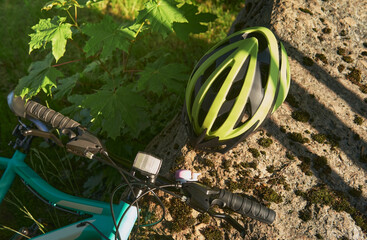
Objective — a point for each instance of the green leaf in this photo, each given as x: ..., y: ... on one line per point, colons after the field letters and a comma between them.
x: 66, y: 85
x: 115, y: 108
x: 42, y: 76
x: 66, y: 4
x: 91, y: 67
x: 60, y: 4
x: 107, y: 36
x: 158, y: 75
x: 161, y: 15
x: 55, y: 31
x: 76, y: 110
x: 194, y: 21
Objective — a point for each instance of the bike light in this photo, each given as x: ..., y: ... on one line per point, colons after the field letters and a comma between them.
x: 147, y: 164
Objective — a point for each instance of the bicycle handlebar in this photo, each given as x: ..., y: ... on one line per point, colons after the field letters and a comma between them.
x: 244, y: 206
x: 202, y: 198
x: 47, y: 115
x: 82, y: 143
x: 35, y: 111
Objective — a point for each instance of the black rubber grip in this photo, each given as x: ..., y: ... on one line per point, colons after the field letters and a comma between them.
x: 246, y: 206
x: 49, y: 116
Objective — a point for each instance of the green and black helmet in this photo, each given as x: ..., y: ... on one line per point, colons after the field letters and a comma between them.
x: 234, y: 87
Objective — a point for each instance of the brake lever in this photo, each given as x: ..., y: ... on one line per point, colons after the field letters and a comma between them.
x: 229, y: 220
x: 82, y: 142
x: 39, y: 133
x: 202, y: 198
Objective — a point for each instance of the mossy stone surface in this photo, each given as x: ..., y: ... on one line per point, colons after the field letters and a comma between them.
x: 305, y: 166
x: 209, y: 163
x: 358, y: 120
x: 265, y: 142
x: 255, y: 153
x: 347, y: 59
x: 307, y: 61
x: 341, y: 51
x: 292, y: 101
x: 301, y: 116
x: 321, y: 57
x: 204, y: 218
x: 270, y: 169
x: 305, y: 10
x: 297, y: 137
x: 181, y: 214
x: 268, y: 194
x: 249, y: 165
x: 319, y: 137
x: 355, y: 192
x: 305, y: 214
x: 318, y: 236
x: 343, y: 33
x: 326, y: 30
x: 289, y: 155
x: 212, y: 233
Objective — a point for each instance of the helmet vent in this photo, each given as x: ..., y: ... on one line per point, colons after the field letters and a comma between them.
x: 202, y: 113
x: 219, y: 121
x: 236, y: 38
x: 264, y: 72
x: 207, y: 73
x: 222, y: 58
x: 238, y: 81
x: 203, y: 59
x: 245, y: 115
x: 218, y: 82
x: 235, y: 90
x: 261, y: 39
x: 212, y: 93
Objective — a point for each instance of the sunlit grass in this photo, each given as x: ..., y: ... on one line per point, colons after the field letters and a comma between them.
x: 27, y: 214
x: 62, y: 172
x: 3, y: 227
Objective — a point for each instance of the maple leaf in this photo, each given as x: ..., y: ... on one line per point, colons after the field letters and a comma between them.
x: 55, y: 31
x: 158, y: 75
x: 60, y: 4
x: 107, y: 36
x: 66, y: 4
x: 115, y: 108
x: 194, y: 21
x: 161, y: 15
x: 41, y: 77
x: 66, y: 85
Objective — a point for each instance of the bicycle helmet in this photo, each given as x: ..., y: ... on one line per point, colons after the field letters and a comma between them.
x: 234, y: 87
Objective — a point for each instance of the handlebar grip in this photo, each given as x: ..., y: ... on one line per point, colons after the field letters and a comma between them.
x: 47, y: 115
x: 245, y: 206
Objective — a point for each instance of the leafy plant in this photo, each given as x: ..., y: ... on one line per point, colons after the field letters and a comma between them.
x: 123, y: 93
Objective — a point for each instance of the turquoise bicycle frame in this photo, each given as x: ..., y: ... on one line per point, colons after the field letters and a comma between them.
x: 100, y: 211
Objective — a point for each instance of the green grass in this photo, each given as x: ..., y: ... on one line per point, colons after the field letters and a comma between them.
x: 69, y: 174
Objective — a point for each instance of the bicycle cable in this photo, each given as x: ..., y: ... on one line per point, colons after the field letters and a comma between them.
x: 130, y: 175
x: 163, y: 215
x: 111, y: 204
x: 46, y: 202
x: 105, y: 154
x: 92, y: 225
x: 138, y: 199
x: 155, y: 195
x: 123, y: 172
